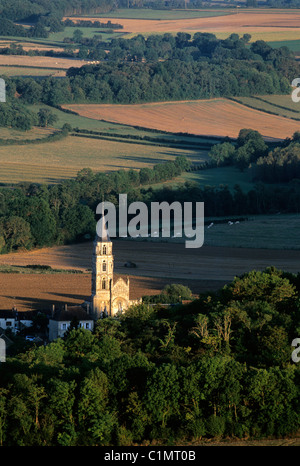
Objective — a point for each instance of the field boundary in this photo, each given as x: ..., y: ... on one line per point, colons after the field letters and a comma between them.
x: 56, y: 136
x: 145, y: 140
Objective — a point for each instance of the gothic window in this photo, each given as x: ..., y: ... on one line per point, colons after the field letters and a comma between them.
x: 104, y: 249
x: 120, y: 307
x: 104, y: 267
x: 103, y: 284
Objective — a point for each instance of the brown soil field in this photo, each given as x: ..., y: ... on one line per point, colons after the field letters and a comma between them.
x: 157, y: 264
x: 45, y: 62
x: 212, y: 117
x: 239, y: 22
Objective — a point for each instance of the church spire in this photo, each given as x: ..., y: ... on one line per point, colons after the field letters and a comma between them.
x: 102, y: 230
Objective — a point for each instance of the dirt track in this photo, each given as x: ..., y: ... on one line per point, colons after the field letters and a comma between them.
x: 206, y: 268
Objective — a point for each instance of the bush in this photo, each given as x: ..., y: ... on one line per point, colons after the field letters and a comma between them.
x: 215, y: 426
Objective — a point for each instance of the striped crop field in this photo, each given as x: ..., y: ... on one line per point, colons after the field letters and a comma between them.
x: 212, y: 117
x: 52, y: 162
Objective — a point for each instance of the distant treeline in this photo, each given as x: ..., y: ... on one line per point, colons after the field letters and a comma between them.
x: 165, y: 67
x: 91, y: 24
x: 34, y: 10
x: 38, y: 215
x: 204, y: 67
x: 8, y: 28
x: 280, y: 165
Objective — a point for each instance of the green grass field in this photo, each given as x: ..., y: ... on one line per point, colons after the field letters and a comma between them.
x: 276, y: 104
x: 267, y: 36
x: 57, y: 37
x: 147, y: 13
x: 259, y: 231
x: 293, y: 45
x: 227, y: 176
x: 54, y: 161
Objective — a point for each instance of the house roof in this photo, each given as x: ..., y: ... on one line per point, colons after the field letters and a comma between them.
x: 70, y: 313
x: 7, y: 314
x: 4, y: 337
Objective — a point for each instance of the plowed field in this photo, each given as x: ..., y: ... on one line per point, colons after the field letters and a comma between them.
x: 157, y: 264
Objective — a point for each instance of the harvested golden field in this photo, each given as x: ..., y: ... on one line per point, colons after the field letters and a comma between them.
x: 26, y: 45
x: 51, y: 162
x: 240, y: 22
x: 206, y: 268
x: 44, y: 62
x: 214, y: 117
x: 27, y: 71
x: 34, y: 133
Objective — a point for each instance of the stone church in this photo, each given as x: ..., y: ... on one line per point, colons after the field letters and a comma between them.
x: 109, y: 297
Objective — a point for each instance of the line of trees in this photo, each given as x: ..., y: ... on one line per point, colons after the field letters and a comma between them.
x: 220, y: 366
x: 249, y: 147
x: 34, y: 10
x: 181, y: 68
x: 38, y: 215
x: 17, y: 116
x: 176, y: 68
x: 279, y: 166
x: 8, y: 28
x: 91, y: 24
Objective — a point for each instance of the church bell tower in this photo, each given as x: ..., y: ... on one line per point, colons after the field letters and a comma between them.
x: 102, y: 273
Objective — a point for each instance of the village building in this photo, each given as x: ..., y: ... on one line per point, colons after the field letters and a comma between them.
x: 109, y: 297
x: 61, y: 320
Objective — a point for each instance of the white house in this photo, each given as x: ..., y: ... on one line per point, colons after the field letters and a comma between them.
x: 61, y: 320
x: 9, y: 320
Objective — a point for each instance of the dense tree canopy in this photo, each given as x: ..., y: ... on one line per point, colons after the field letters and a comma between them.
x: 165, y: 67
x: 219, y: 366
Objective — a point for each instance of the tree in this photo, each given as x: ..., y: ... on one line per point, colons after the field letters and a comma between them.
x: 95, y: 422
x: 3, y: 413
x: 42, y: 221
x: 77, y: 35
x: 46, y: 117
x: 61, y: 409
x: 222, y: 154
x: 30, y: 90
x: 163, y: 394
x: 17, y: 233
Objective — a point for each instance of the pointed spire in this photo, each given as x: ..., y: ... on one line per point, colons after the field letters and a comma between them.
x: 102, y: 231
